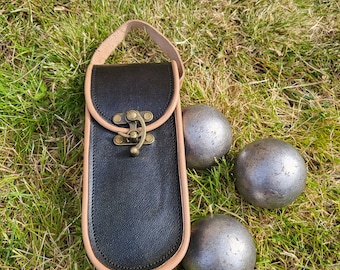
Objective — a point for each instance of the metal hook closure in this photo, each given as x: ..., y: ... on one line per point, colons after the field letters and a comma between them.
x: 135, y: 136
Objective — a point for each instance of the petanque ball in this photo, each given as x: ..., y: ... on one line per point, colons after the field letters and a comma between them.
x: 207, y: 135
x: 220, y: 242
x: 270, y: 173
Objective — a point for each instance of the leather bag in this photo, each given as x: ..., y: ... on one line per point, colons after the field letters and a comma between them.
x: 135, y: 208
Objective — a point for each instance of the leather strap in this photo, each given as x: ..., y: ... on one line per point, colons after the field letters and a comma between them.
x: 110, y: 44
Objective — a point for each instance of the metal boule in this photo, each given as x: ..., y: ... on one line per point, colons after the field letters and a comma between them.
x: 220, y: 242
x: 207, y: 135
x: 270, y: 173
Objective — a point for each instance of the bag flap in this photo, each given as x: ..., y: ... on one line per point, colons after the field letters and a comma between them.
x: 113, y: 89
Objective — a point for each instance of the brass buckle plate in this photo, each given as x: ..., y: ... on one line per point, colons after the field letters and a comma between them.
x: 136, y: 136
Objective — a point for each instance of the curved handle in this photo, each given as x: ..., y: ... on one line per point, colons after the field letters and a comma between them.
x: 109, y: 44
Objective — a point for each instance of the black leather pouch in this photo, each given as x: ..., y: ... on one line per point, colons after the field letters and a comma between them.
x: 135, y: 195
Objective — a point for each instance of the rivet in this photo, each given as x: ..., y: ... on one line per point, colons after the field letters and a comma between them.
x: 118, y: 139
x: 149, y: 138
x: 148, y: 116
x: 131, y: 115
x: 117, y: 118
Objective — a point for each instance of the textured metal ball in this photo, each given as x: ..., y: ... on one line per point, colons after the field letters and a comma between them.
x: 270, y: 173
x: 220, y: 242
x: 207, y: 135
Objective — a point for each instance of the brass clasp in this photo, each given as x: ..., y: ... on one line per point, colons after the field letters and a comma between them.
x: 136, y: 135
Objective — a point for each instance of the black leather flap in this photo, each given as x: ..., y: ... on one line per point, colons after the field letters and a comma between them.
x: 143, y: 87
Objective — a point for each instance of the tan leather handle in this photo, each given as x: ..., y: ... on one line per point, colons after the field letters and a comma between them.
x: 107, y: 47
x: 109, y: 44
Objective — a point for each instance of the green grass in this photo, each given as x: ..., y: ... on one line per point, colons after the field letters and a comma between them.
x: 271, y: 67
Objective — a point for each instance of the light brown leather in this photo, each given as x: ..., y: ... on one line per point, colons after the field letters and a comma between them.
x: 108, y: 45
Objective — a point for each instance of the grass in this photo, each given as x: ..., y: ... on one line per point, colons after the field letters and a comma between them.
x: 271, y: 67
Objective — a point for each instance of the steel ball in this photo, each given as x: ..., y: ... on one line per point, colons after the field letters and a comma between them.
x: 220, y: 242
x: 207, y: 135
x: 270, y: 173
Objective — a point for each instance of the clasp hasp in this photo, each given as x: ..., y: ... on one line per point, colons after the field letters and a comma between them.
x: 136, y: 135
